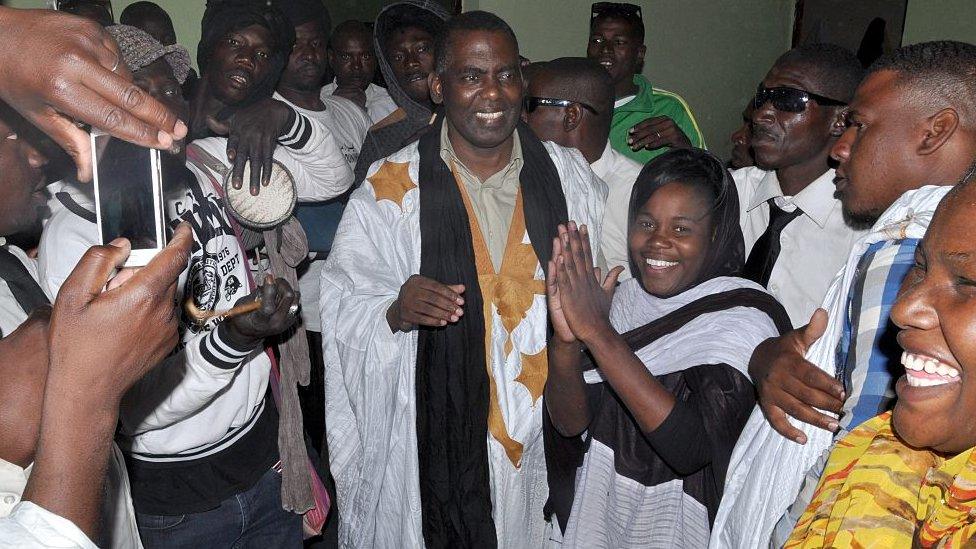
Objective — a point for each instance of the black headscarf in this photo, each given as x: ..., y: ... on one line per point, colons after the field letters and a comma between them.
x: 701, y: 169
x: 225, y: 16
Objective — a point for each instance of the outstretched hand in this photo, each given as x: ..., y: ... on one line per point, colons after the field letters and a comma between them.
x: 579, y: 299
x: 252, y: 136
x: 790, y: 386
x: 59, y: 69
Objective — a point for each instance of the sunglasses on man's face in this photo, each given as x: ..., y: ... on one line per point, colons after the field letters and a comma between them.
x: 790, y: 99
x: 618, y: 9
x: 532, y: 103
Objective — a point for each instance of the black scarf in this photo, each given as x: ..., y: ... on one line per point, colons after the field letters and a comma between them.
x: 451, y: 374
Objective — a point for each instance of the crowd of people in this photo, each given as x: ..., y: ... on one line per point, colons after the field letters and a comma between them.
x: 518, y: 304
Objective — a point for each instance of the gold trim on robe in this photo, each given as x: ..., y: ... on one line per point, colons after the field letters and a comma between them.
x: 512, y: 292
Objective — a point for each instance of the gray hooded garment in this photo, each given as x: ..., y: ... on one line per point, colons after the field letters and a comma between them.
x: 387, y: 140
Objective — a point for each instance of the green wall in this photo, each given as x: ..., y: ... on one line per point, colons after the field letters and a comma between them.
x: 186, y: 15
x: 940, y: 19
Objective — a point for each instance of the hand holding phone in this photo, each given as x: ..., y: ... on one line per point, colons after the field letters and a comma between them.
x: 128, y: 196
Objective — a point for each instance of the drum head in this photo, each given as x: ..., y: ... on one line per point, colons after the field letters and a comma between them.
x: 271, y: 207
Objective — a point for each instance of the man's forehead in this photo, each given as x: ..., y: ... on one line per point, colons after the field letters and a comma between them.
x: 310, y: 28
x: 792, y: 74
x: 612, y: 25
x: 878, y: 91
x: 477, y: 47
x: 353, y: 38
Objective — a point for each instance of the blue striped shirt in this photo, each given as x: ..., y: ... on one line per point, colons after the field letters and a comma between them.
x: 868, y: 357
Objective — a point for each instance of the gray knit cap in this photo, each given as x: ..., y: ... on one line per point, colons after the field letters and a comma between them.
x: 139, y: 50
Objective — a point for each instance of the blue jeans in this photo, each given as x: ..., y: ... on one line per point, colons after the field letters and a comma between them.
x: 253, y: 518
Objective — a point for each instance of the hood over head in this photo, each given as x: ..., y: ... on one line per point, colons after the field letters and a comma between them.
x: 389, y: 19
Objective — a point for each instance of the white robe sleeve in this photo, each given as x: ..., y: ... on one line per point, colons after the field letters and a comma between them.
x: 369, y: 372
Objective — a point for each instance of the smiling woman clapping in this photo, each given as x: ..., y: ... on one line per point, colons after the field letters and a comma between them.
x: 663, y: 392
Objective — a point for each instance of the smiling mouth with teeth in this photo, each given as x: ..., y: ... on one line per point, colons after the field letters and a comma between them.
x: 923, y: 371
x: 488, y: 116
x: 659, y: 263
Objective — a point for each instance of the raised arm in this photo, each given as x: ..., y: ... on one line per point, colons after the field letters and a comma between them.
x: 94, y: 359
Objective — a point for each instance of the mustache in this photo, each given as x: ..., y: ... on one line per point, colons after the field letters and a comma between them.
x: 762, y: 131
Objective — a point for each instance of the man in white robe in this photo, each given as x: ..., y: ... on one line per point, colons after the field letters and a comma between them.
x: 378, y: 309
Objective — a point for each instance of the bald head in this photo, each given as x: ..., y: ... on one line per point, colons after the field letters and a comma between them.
x: 834, y: 70
x: 583, y: 123
x: 576, y: 79
x: 152, y: 19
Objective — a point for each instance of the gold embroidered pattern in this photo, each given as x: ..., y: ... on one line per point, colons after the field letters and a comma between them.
x: 392, y: 181
x: 512, y: 292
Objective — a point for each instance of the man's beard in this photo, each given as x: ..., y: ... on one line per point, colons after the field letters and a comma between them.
x: 860, y: 221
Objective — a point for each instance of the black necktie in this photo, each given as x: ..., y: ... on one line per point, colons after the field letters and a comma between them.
x: 764, y: 253
x: 22, y: 285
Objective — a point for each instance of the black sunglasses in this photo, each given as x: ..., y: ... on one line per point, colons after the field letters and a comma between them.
x: 532, y: 103
x: 790, y: 99
x: 619, y: 9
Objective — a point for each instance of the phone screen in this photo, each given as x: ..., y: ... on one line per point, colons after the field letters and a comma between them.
x: 127, y: 183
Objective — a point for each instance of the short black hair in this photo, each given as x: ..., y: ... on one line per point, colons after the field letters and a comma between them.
x: 468, y: 21
x: 137, y: 12
x: 347, y: 28
x: 835, y: 68
x: 942, y: 72
x: 577, y: 79
x: 403, y: 16
x: 636, y: 23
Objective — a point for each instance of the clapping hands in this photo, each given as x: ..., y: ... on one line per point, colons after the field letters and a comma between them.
x: 579, y: 297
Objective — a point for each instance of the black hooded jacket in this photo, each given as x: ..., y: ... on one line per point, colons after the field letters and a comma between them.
x: 382, y: 139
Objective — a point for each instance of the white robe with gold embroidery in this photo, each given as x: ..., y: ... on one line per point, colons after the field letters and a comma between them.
x: 369, y: 371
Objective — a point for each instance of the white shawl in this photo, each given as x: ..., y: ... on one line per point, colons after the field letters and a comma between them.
x: 720, y: 337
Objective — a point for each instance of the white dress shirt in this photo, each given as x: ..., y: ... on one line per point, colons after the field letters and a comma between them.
x: 379, y: 104
x: 619, y: 173
x: 815, y: 245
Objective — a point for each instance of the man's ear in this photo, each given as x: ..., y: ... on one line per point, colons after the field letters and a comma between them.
x: 330, y: 55
x: 938, y: 129
x: 434, y: 84
x: 641, y: 52
x: 573, y: 117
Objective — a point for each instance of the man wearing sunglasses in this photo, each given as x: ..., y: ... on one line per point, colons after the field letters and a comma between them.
x: 795, y: 233
x: 910, y: 135
x: 570, y: 102
x: 647, y: 121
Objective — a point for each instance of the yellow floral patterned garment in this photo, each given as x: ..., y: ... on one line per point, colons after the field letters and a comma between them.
x: 878, y: 492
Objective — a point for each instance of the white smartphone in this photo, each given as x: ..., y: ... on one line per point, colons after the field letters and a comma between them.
x: 128, y: 196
